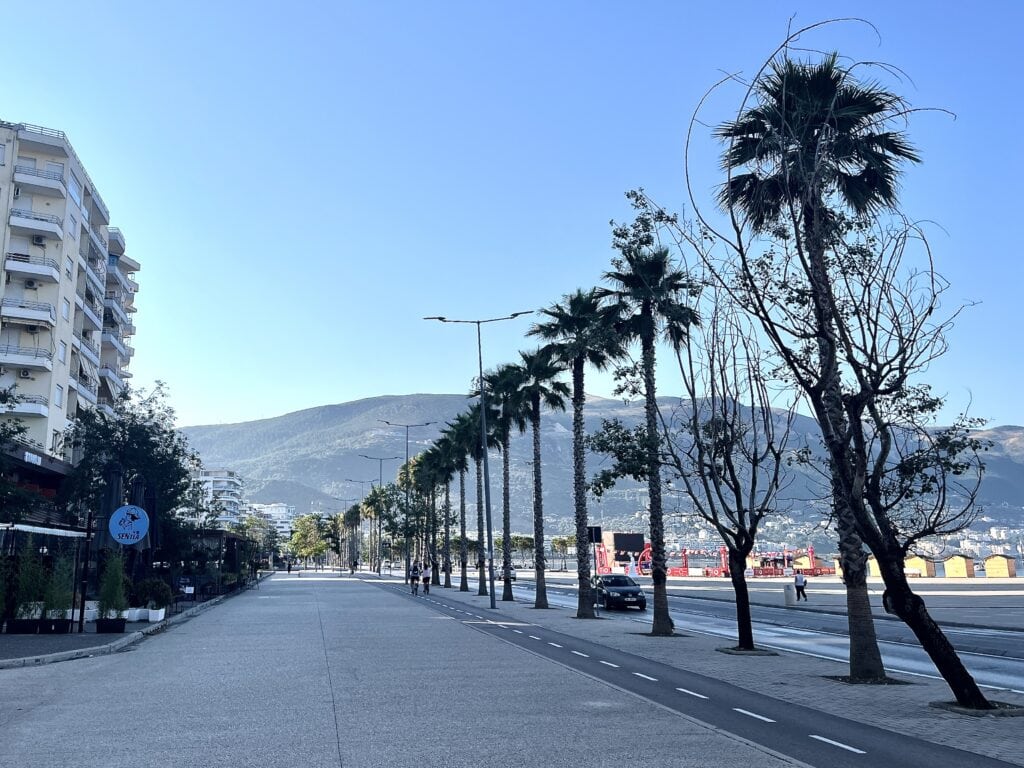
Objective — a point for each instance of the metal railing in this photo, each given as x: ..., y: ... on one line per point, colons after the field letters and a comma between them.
x: 55, y: 134
x: 34, y: 306
x: 91, y: 385
x: 42, y: 261
x: 94, y: 348
x: 99, y: 238
x: 30, y: 171
x: 20, y: 351
x: 34, y: 399
x: 47, y: 217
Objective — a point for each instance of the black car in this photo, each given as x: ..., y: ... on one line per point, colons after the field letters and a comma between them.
x: 618, y: 591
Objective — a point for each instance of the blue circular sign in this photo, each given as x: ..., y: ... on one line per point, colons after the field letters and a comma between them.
x: 129, y: 524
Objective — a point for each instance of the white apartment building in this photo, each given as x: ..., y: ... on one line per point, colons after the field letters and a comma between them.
x: 280, y: 515
x: 226, y: 489
x: 68, y: 289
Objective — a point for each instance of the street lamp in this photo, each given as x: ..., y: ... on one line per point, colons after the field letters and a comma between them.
x: 362, y: 495
x: 380, y: 484
x: 483, y: 429
x: 408, y: 478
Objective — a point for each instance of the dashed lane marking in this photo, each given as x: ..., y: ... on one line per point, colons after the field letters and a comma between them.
x: 518, y: 631
x: 753, y: 714
x: 534, y: 637
x: 646, y: 677
x: 691, y: 693
x: 554, y: 644
x: 609, y: 664
x: 839, y: 744
x: 581, y: 654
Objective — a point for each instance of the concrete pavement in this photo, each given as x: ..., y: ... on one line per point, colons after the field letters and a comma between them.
x: 336, y: 671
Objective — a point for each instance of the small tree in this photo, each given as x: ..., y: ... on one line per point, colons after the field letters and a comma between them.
x: 31, y: 583
x: 59, y: 589
x: 112, y: 595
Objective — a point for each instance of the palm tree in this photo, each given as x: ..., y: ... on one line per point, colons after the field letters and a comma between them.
x: 816, y: 139
x: 448, y: 465
x: 504, y: 386
x: 580, y: 330
x: 649, y: 294
x: 463, y: 433
x: 540, y: 389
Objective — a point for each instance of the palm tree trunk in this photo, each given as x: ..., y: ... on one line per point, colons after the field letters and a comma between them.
x: 662, y: 621
x: 585, y: 600
x: 480, y: 564
x: 540, y: 599
x: 463, y: 544
x: 506, y: 521
x: 435, y: 576
x: 865, y: 658
x: 744, y: 626
x: 447, y: 534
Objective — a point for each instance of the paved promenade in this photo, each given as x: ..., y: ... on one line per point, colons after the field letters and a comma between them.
x: 338, y: 671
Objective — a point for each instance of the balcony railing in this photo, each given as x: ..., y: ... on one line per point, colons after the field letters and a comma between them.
x: 42, y: 261
x: 95, y: 306
x: 47, y: 217
x: 15, y: 349
x: 55, y: 134
x: 98, y: 239
x: 33, y: 306
x: 34, y: 399
x: 91, y: 385
x: 94, y: 348
x: 30, y: 171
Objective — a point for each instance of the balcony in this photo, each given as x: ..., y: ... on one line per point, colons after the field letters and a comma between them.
x: 37, y: 223
x: 30, y: 405
x: 113, y: 300
x: 115, y: 377
x: 95, y: 279
x: 116, y: 240
x: 37, y: 267
x: 88, y: 349
x: 91, y: 310
x: 28, y: 312
x: 48, y: 183
x: 16, y: 356
x: 97, y: 239
x: 87, y: 388
x: 120, y: 279
x: 113, y: 338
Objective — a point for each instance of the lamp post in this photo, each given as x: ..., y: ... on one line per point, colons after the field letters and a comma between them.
x: 408, y: 479
x: 483, y: 430
x: 380, y: 484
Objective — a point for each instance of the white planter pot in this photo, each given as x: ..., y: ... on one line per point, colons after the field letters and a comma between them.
x: 157, y: 614
x: 136, y: 614
x: 91, y: 614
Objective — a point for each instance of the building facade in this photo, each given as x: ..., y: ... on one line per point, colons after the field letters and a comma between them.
x: 68, y: 289
x: 224, y: 490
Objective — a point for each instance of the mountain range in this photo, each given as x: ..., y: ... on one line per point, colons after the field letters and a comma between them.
x: 312, y: 458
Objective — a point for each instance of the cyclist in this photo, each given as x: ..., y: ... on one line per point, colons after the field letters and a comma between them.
x: 414, y: 578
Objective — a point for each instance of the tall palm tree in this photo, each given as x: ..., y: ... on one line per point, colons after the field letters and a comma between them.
x: 579, y: 331
x: 463, y: 433
x: 649, y: 295
x: 540, y: 388
x: 814, y: 140
x: 504, y: 387
x: 448, y: 466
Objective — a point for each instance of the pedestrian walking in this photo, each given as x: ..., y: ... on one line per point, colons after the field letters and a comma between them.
x: 289, y: 566
x: 800, y: 582
x: 414, y: 578
x: 427, y: 573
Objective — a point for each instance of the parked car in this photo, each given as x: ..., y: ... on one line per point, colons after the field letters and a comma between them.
x: 616, y: 590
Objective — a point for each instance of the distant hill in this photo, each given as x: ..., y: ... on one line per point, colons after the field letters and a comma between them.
x: 306, y: 458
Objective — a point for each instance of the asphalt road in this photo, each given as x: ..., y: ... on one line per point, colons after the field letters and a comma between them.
x: 799, y: 732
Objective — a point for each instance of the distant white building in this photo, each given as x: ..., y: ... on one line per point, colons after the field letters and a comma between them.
x: 224, y: 488
x: 280, y: 515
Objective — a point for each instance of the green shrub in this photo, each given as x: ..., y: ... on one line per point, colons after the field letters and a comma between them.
x: 112, y: 597
x: 31, y: 582
x: 154, y: 593
x: 59, y: 589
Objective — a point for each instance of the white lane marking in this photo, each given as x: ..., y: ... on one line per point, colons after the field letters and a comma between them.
x: 555, y: 644
x: 753, y: 714
x: 581, y: 654
x: 608, y: 663
x: 534, y: 637
x: 518, y: 631
x: 839, y: 744
x: 646, y: 677
x: 691, y: 693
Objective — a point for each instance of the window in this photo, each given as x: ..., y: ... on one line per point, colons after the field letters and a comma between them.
x: 58, y: 396
x: 3, y: 153
x: 57, y: 168
x: 69, y: 267
x: 62, y: 352
x: 26, y: 162
x: 75, y: 189
x: 55, y: 442
x: 74, y: 226
x: 65, y: 310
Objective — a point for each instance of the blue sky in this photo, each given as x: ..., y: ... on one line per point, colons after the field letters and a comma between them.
x: 303, y: 182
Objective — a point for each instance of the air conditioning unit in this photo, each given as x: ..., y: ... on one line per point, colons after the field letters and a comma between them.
x: 31, y: 284
x: 17, y: 192
x: 38, y: 240
x: 32, y: 329
x: 24, y: 373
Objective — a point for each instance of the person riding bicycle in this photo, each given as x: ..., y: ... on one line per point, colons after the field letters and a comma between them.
x: 414, y: 578
x: 426, y: 577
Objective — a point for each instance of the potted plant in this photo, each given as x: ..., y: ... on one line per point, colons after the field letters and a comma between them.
x: 57, y: 597
x: 137, y: 610
x: 158, y: 596
x: 112, y: 602
x: 28, y: 594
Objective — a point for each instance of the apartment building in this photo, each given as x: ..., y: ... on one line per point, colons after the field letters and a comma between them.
x: 280, y: 515
x: 68, y: 289
x: 225, y: 489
